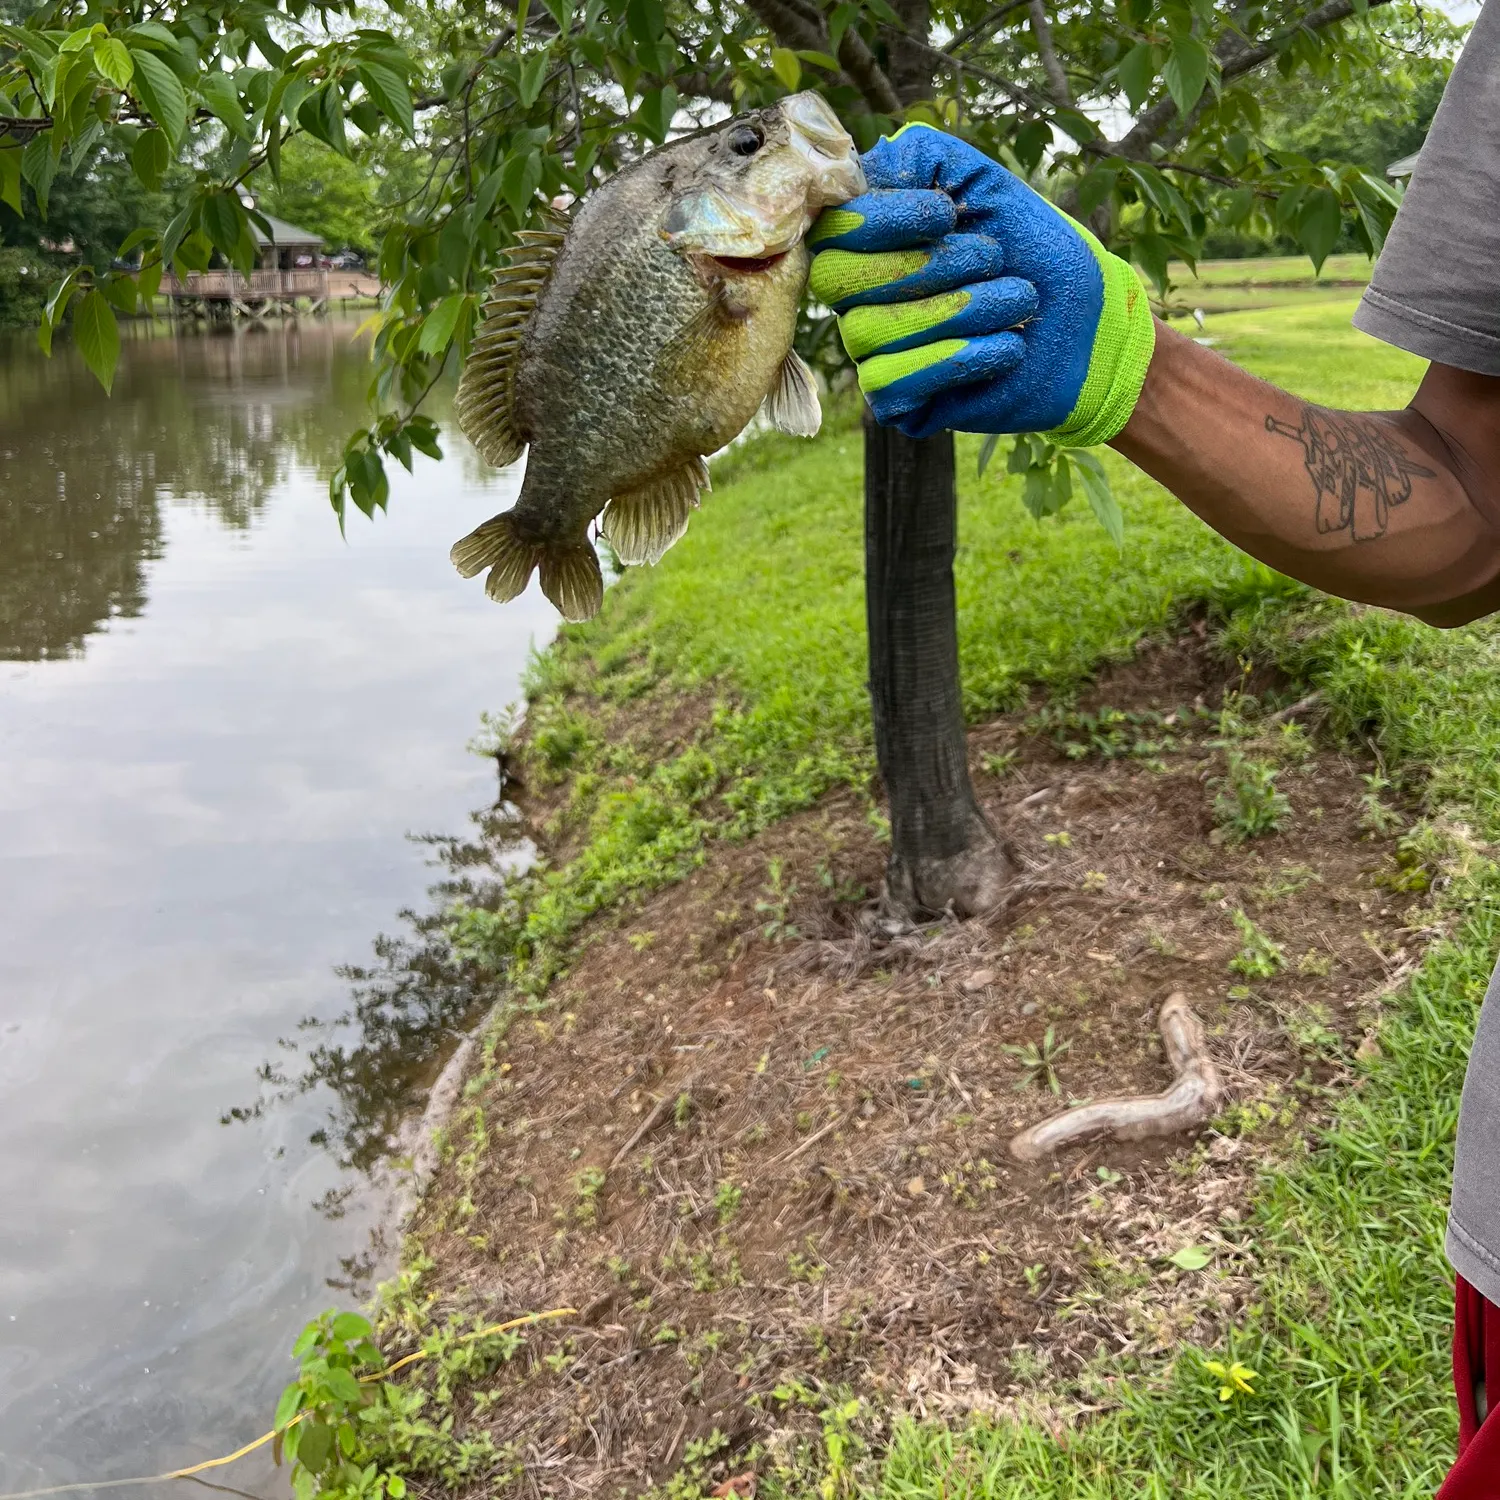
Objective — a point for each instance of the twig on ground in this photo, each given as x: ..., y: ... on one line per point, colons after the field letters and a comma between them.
x: 1189, y: 1102
x: 1294, y: 710
x: 657, y: 1115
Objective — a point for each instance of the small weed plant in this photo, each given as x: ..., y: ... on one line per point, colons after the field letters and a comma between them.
x: 1259, y: 957
x: 1248, y: 804
x: 1039, y: 1061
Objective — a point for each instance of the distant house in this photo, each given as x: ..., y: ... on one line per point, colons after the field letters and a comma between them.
x: 1404, y: 167
x: 287, y: 271
x: 286, y: 245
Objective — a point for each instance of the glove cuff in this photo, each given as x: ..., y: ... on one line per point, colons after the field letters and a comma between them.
x: 1123, y: 344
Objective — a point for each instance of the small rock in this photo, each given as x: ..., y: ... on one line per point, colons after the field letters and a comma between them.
x: 1029, y: 1009
x: 915, y: 1188
x: 1368, y: 1049
x: 979, y: 979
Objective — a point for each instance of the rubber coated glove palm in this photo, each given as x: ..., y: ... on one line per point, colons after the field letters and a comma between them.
x: 969, y: 302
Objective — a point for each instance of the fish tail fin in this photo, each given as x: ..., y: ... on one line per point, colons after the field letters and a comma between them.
x: 571, y: 578
x: 498, y: 546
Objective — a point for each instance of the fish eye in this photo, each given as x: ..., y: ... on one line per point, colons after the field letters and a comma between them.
x: 746, y: 140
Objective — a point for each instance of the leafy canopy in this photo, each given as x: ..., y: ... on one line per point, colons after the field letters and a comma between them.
x: 1144, y: 116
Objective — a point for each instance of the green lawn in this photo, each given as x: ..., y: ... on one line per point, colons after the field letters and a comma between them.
x: 1273, y: 270
x: 762, y: 604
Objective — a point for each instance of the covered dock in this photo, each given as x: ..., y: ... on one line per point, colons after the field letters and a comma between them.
x: 287, y: 273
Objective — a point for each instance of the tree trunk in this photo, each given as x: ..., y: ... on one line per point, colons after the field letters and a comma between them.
x: 944, y: 854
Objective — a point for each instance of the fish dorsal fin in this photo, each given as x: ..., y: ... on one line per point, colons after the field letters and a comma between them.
x: 485, y: 404
x: 642, y: 523
x: 792, y: 402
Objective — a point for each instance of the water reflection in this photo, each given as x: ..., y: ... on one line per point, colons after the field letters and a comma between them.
x: 375, y: 1060
x: 215, y: 421
x: 218, y: 724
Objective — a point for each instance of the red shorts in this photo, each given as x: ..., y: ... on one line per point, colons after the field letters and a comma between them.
x: 1476, y: 1356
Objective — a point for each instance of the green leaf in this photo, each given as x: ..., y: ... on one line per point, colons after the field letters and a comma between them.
x: 1318, y: 224
x: 645, y: 19
x: 530, y: 77
x: 39, y: 166
x: 1099, y: 494
x: 438, y: 326
x: 656, y: 110
x: 316, y: 1447
x: 1191, y: 1258
x: 987, y: 450
x: 322, y: 115
x: 1136, y: 72
x: 147, y: 281
x: 289, y: 1405
x: 1030, y: 141
x: 161, y: 95
x: 395, y: 1487
x: 10, y: 177
x: 223, y: 219
x: 340, y: 1383
x: 112, y: 59
x: 787, y: 67
x: 97, y: 335
x: 1237, y: 206
x: 221, y: 96
x: 351, y: 1326
x: 150, y: 156
x: 52, y: 314
x: 1095, y: 188
x: 1153, y: 255
x: 1047, y: 490
x: 155, y: 33
x: 523, y: 175
x: 1186, y: 72
x: 390, y: 92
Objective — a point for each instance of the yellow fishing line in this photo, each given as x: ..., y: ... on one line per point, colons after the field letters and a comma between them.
x: 260, y: 1442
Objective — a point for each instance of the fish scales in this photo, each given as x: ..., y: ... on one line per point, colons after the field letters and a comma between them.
x: 646, y: 340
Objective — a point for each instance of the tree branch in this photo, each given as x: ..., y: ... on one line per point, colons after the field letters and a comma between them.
x: 1057, y: 76
x: 1235, y: 58
x: 794, y: 27
x: 982, y: 28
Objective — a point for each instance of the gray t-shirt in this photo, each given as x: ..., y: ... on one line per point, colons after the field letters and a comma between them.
x: 1436, y: 292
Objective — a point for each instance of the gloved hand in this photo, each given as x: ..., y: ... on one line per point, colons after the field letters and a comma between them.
x: 970, y: 302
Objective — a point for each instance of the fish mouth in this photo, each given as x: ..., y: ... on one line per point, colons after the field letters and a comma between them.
x: 748, y: 265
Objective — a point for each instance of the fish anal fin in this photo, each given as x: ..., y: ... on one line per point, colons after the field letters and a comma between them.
x: 571, y: 579
x: 498, y: 546
x: 485, y: 404
x: 792, y: 402
x: 642, y: 523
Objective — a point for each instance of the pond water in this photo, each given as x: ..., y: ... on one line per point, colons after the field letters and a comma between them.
x: 219, y: 723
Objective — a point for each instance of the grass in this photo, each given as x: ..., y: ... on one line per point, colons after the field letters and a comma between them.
x: 1273, y: 270
x: 761, y: 608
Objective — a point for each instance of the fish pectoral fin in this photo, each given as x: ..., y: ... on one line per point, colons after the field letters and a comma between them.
x: 642, y: 523
x: 791, y: 404
x: 485, y: 403
x: 571, y: 579
x: 684, y: 355
x: 497, y: 546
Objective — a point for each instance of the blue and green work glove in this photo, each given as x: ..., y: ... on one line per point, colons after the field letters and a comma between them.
x: 969, y: 302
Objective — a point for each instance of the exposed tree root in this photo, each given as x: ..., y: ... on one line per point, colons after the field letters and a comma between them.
x: 1189, y: 1102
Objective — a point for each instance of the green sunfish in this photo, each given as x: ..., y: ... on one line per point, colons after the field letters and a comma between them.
x: 623, y: 350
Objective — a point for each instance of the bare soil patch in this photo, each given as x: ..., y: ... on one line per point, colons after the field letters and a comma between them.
x: 754, y: 1139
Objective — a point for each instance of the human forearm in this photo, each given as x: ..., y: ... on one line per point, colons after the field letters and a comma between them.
x: 1383, y: 507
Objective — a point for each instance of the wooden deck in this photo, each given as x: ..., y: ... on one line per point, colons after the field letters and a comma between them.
x: 256, y: 295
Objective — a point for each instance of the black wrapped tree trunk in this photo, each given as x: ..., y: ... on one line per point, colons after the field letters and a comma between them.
x: 944, y: 854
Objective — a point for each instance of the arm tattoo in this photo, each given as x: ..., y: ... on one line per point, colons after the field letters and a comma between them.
x: 1359, y: 470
